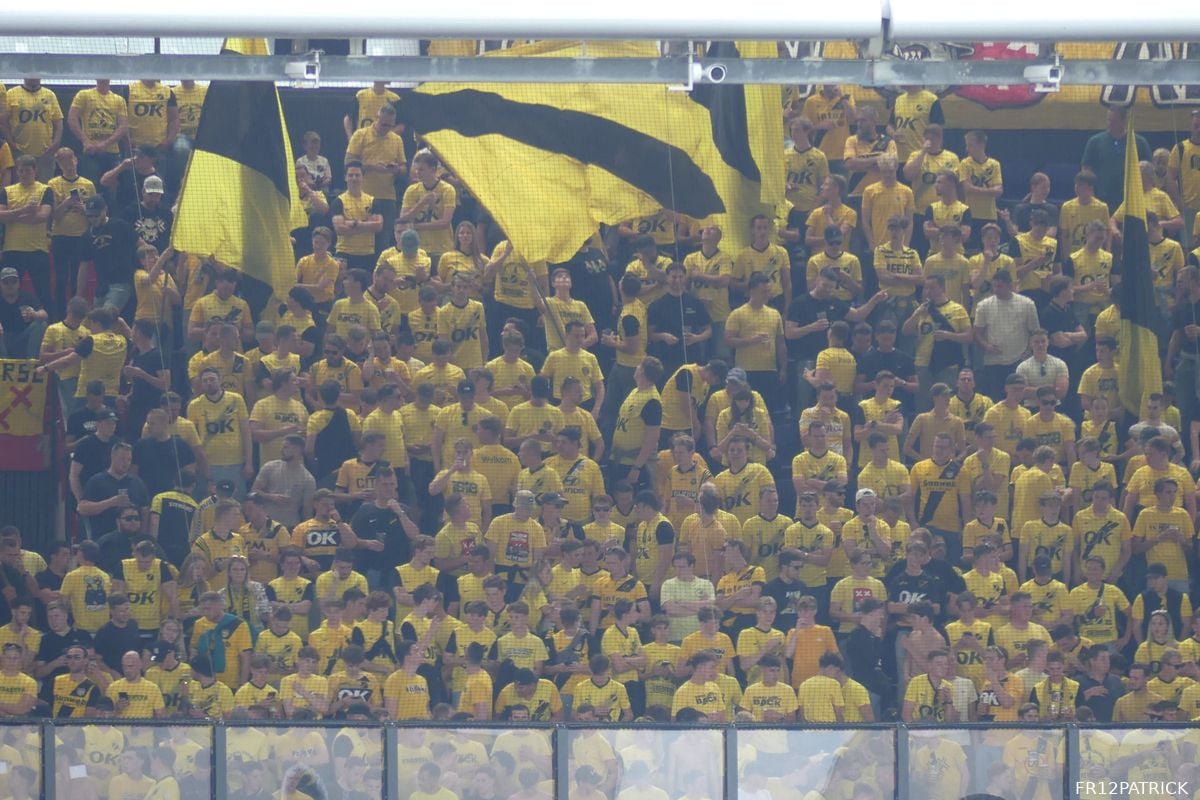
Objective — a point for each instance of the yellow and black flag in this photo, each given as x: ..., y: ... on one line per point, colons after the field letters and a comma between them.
x: 1140, y: 367
x: 551, y: 162
x: 239, y: 201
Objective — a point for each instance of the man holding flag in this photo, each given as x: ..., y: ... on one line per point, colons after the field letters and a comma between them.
x: 1140, y: 370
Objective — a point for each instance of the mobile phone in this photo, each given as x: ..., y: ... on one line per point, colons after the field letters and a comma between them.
x: 75, y: 193
x: 123, y: 695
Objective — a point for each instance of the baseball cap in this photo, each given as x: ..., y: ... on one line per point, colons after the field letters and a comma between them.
x: 1157, y: 570
x: 524, y: 497
x: 861, y: 493
x: 153, y: 185
x: 9, y: 272
x: 410, y: 241
x: 159, y: 650
x: 737, y: 374
x: 466, y: 387
x: 1015, y: 379
x: 555, y: 498
x: 94, y: 204
x: 105, y: 414
x: 225, y: 487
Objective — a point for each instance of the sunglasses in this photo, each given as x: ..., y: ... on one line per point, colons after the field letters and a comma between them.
x: 130, y: 518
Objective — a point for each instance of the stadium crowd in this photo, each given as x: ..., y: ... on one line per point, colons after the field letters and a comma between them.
x: 873, y: 466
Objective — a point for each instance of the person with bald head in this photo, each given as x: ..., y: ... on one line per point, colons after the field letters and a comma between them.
x: 133, y: 696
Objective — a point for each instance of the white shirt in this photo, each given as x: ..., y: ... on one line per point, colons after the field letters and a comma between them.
x: 1042, y: 373
x: 1009, y: 324
x: 700, y: 589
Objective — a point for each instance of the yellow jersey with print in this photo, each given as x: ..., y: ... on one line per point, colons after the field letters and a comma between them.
x: 60, y: 337
x: 824, y: 216
x: 346, y: 312
x: 969, y: 662
x: 609, y: 699
x: 987, y: 266
x: 99, y: 113
x: 219, y: 424
x: 1030, y: 248
x: 581, y: 481
x: 828, y: 466
x: 512, y: 283
x: 996, y: 464
x: 514, y: 373
x: 806, y: 170
x: 735, y: 581
x: 880, y: 203
x: 933, y: 165
x: 747, y: 322
x: 1096, y: 611
x: 474, y: 488
x: 234, y: 371
x: 347, y: 375
x: 1091, y: 268
x: 1166, y: 259
x: 1101, y: 534
x: 72, y: 221
x: 418, y: 427
x: 942, y: 214
x: 858, y: 531
x: 369, y: 102
x: 819, y: 698
x: 190, y: 102
x: 953, y: 314
x: 272, y: 413
x: 438, y: 240
x: 739, y: 491
x: 632, y: 322
x: 652, y: 288
x: 368, y: 147
x: 149, y: 297
x: 707, y: 698
x: 408, y: 288
x: 1039, y: 537
x: 642, y: 409
x: 462, y: 326
x: 148, y: 112
x: 1049, y: 599
x: 765, y: 538
x: 1073, y: 219
x: 926, y: 697
x: 955, y: 271
x: 562, y: 312
x: 1152, y: 523
x: 842, y: 367
x: 31, y: 118
x: 144, y: 588
x: 562, y: 364
x: 313, y: 268
x: 770, y: 261
x: 86, y: 589
x: 355, y: 243
x: 210, y: 306
x: 984, y: 174
x: 936, y: 489
x: 454, y: 262
x: 73, y: 697
x: 840, y: 111
x: 890, y: 480
x: 1083, y: 478
x: 714, y: 298
x: 912, y: 113
x: 874, y: 149
x: 905, y: 261
x: 1009, y: 424
x: 971, y: 412
x: 143, y: 696
x: 1185, y: 159
x: 759, y: 422
x: 26, y: 237
x: 1142, y: 480
x: 845, y: 262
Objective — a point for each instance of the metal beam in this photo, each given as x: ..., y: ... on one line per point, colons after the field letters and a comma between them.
x: 670, y: 70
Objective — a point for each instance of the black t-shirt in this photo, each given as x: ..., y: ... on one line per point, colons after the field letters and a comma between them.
x: 899, y: 364
x: 160, y: 463
x: 93, y: 455
x: 1186, y: 314
x: 1060, y: 320
x: 145, y: 397
x: 670, y: 314
x: 905, y: 588
x: 112, y: 248
x: 112, y: 643
x: 1022, y: 212
x: 54, y: 645
x: 10, y: 313
x: 83, y: 423
x: 805, y: 310
x: 152, y: 225
x: 785, y: 596
x: 380, y: 524
x: 104, y: 485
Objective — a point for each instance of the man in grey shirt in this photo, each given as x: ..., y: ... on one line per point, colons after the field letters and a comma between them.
x: 286, y: 486
x: 1004, y: 321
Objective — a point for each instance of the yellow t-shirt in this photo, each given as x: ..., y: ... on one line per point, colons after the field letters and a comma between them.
x: 219, y: 424
x: 984, y: 174
x: 819, y: 697
x: 368, y: 146
x: 936, y: 489
x: 439, y: 240
x: 148, y: 112
x: 72, y: 222
x: 312, y: 269
x: 99, y: 115
x: 512, y: 284
x: 806, y: 170
x: 926, y: 700
x: 905, y: 261
x: 561, y: 364
x: 846, y: 263
x: 745, y: 322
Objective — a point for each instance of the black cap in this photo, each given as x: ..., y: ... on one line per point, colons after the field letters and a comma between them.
x: 105, y: 414
x: 94, y: 204
x: 225, y: 486
x: 466, y: 387
x: 1156, y: 570
x: 159, y: 650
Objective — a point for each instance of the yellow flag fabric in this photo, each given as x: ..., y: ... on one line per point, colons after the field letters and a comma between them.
x: 552, y: 162
x: 22, y: 398
x: 239, y: 201
x: 1140, y: 369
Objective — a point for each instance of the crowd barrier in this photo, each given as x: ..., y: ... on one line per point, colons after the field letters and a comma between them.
x: 330, y: 759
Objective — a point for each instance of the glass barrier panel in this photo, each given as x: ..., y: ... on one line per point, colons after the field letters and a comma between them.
x: 832, y: 763
x: 121, y: 760
x: 1157, y: 761
x: 20, y: 761
x: 1003, y: 762
x: 603, y: 762
x: 294, y: 761
x: 475, y: 762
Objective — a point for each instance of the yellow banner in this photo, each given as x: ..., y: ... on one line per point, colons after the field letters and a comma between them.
x: 1019, y: 107
x: 22, y: 398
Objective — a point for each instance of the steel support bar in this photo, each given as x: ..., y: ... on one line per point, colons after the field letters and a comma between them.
x: 672, y: 70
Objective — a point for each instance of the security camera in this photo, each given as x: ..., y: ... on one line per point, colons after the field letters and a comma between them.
x: 305, y: 71
x: 715, y: 73
x: 1044, y: 77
